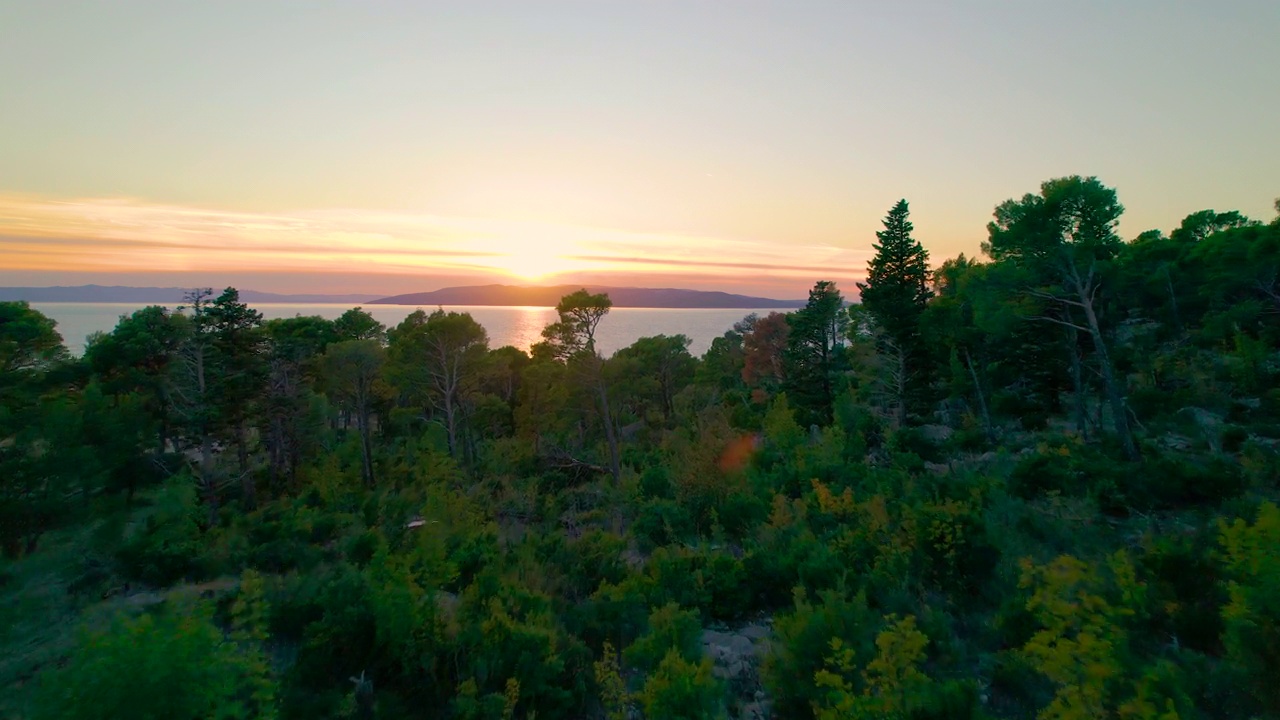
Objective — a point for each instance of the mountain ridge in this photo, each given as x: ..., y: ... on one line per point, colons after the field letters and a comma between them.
x: 159, y: 295
x: 622, y: 297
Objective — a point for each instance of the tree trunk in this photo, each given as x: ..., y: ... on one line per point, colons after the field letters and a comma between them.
x: 165, y: 410
x: 242, y: 447
x: 162, y: 441
x: 900, y: 386
x: 668, y: 403
x: 365, y: 440
x: 615, y: 465
x: 207, y: 482
x: 451, y: 424
x: 1268, y: 288
x: 293, y: 455
x: 1084, y: 289
x: 248, y: 489
x: 276, y: 451
x: 467, y: 437
x: 1173, y: 300
x: 982, y: 397
x: 275, y: 439
x: 366, y: 445
x: 827, y: 395
x: 1079, y: 411
x: 1115, y: 398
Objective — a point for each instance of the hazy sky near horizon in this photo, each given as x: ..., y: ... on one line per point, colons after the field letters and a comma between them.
x: 729, y: 144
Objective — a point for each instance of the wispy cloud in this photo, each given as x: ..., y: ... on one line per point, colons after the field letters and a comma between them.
x: 120, y: 234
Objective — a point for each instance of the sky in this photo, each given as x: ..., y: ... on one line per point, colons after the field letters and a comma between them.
x: 388, y: 147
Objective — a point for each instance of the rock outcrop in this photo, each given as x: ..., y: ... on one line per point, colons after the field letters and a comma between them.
x: 737, y: 656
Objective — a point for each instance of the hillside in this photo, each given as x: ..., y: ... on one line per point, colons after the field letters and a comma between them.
x: 549, y: 296
x: 1015, y: 496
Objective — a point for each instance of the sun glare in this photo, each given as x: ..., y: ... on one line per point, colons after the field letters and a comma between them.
x: 111, y: 235
x: 533, y: 257
x: 531, y: 264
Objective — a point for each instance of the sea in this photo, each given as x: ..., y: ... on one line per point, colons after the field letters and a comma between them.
x: 517, y: 326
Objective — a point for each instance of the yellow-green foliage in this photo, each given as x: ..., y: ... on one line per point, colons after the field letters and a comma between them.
x: 893, y: 677
x: 486, y: 548
x: 1083, y: 642
x: 1077, y: 644
x: 875, y: 533
x: 249, y: 631
x: 681, y: 690
x: 892, y: 684
x: 510, y: 698
x: 670, y: 628
x: 1252, y: 615
x: 613, y: 689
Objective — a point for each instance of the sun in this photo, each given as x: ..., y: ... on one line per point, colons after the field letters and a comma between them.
x: 534, y: 259
x: 530, y: 264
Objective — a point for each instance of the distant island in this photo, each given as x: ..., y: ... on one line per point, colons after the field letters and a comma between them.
x: 155, y: 295
x: 485, y: 295
x: 623, y: 297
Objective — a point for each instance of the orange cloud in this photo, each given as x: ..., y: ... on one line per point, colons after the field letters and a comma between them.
x: 120, y: 234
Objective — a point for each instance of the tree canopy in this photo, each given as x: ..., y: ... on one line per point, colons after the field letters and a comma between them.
x: 1039, y: 483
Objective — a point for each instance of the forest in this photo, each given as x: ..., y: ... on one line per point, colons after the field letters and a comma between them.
x: 1038, y: 483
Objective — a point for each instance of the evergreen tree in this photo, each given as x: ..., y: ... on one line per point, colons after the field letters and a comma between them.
x: 352, y: 371
x: 433, y: 359
x: 895, y: 294
x: 1064, y: 240
x: 287, y: 425
x: 239, y: 374
x: 139, y: 356
x: 573, y: 339
x: 814, y: 357
x: 30, y: 347
x: 358, y: 324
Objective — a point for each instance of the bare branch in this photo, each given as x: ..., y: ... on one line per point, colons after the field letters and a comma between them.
x: 1064, y: 323
x: 1056, y: 298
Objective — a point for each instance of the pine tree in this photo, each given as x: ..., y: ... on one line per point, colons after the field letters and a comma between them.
x: 897, y: 286
x: 895, y: 294
x: 249, y: 632
x: 814, y: 359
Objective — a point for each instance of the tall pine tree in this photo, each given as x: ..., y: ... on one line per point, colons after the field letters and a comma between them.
x: 895, y: 295
x: 814, y: 359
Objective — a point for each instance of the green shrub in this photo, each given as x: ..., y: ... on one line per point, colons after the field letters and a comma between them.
x: 164, y: 545
x: 655, y: 482
x: 912, y: 441
x: 1172, y: 481
x: 661, y: 522
x: 173, y: 666
x: 592, y: 559
x: 1233, y: 438
x: 1041, y: 473
x: 1185, y: 590
x: 803, y: 639
x: 1252, y: 617
x: 681, y: 690
x: 670, y: 628
x: 714, y: 582
x: 361, y: 547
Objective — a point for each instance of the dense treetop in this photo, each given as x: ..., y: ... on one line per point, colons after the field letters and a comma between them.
x: 1038, y: 484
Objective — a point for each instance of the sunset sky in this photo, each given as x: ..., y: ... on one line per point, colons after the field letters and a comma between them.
x: 387, y: 147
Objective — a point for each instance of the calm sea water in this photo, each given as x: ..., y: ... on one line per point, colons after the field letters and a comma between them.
x: 518, y: 326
